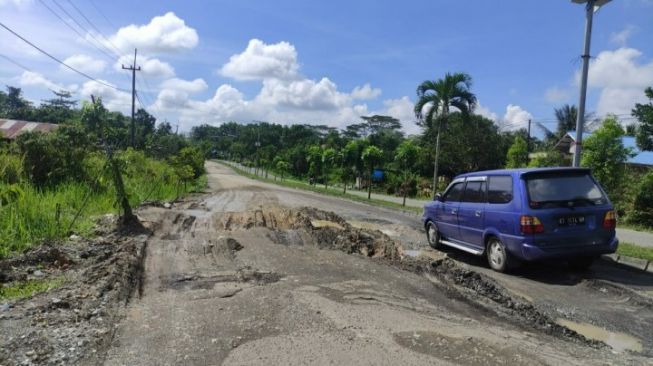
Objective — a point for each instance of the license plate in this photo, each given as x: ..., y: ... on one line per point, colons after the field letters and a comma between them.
x: 571, y: 221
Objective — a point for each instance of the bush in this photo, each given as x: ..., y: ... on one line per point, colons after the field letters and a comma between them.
x: 642, y: 211
x: 11, y: 168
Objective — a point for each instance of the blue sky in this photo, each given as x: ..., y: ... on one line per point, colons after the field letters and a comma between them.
x: 329, y: 62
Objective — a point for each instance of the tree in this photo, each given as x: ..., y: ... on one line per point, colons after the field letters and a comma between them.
x: 281, y: 166
x: 354, y: 151
x: 371, y: 156
x: 605, y: 154
x: 566, y: 117
x: 644, y: 114
x: 329, y: 157
x: 406, y: 156
x: 145, y: 123
x: 434, y: 100
x: 14, y: 106
x: 315, y: 162
x: 517, y: 154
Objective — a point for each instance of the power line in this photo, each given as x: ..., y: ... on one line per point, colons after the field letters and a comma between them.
x: 75, y: 30
x: 59, y: 61
x: 102, y: 14
x: 94, y: 27
x: 81, y: 26
x: 15, y: 62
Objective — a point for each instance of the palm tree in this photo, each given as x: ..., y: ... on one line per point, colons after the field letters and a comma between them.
x: 566, y: 116
x: 435, y: 98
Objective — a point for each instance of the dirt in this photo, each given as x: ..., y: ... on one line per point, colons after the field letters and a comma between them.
x: 73, y: 323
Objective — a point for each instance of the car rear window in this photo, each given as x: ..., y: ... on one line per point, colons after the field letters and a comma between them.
x: 557, y: 188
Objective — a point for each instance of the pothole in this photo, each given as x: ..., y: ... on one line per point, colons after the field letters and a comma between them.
x: 209, y: 281
x: 619, y: 342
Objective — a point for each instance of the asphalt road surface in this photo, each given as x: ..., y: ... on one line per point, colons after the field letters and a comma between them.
x: 235, y: 277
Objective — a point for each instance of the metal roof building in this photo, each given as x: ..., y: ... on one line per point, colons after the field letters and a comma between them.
x: 10, y: 129
x: 642, y: 158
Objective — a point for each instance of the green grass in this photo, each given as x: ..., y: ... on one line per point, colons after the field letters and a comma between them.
x: 635, y: 251
x: 290, y: 183
x: 21, y: 290
x: 34, y: 215
x: 635, y: 227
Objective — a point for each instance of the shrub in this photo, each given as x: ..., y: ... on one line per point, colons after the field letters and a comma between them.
x: 642, y: 211
x: 11, y: 168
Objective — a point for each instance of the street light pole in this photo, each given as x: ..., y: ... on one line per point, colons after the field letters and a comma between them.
x: 580, y: 118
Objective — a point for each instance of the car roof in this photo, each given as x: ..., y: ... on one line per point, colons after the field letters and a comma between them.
x: 522, y: 171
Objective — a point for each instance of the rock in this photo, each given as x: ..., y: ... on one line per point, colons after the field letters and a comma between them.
x: 167, y: 205
x: 5, y: 307
x: 38, y: 273
x: 74, y: 237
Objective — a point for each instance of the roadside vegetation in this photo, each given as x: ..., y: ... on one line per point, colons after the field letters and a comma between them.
x: 635, y: 251
x: 56, y: 184
x: 24, y: 289
x: 374, y: 154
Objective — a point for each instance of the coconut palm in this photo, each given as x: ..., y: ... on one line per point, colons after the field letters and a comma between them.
x: 566, y: 117
x: 435, y: 98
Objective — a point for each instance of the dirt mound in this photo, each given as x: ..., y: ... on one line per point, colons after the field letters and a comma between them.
x: 73, y: 322
x: 324, y: 229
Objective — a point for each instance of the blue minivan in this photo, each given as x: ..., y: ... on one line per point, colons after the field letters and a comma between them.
x: 517, y: 215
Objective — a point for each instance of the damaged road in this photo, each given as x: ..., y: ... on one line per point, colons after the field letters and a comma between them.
x: 252, y: 273
x: 249, y: 275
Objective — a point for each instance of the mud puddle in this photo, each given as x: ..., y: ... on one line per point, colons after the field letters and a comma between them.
x: 619, y: 342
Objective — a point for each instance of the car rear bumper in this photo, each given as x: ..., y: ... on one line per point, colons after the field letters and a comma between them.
x: 531, y: 252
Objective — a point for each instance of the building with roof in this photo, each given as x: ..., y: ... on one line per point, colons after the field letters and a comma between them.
x: 10, y: 129
x: 643, y: 159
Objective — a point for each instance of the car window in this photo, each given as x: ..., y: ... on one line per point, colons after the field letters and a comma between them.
x: 499, y: 189
x: 454, y: 193
x: 474, y: 192
x: 552, y: 188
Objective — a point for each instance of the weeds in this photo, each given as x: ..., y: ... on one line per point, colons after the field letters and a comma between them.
x: 21, y: 290
x: 635, y: 251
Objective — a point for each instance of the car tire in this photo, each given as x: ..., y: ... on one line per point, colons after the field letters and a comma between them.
x: 581, y: 263
x: 433, y: 235
x: 497, y: 256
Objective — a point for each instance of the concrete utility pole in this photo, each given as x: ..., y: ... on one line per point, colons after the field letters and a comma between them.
x: 528, y: 141
x: 133, y: 69
x: 590, y: 7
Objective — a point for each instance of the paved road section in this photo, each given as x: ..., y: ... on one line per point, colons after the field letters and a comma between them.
x: 641, y: 238
x: 231, y: 278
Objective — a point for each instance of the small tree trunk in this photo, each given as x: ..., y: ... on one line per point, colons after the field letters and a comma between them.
x: 344, y: 190
x: 405, y: 190
x: 369, y: 187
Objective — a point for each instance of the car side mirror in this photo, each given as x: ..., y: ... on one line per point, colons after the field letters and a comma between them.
x: 438, y: 197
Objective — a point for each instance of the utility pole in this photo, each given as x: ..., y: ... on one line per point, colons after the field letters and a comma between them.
x: 528, y: 141
x: 133, y: 69
x: 590, y: 7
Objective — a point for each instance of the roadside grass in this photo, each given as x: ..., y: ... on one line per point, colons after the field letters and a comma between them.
x: 24, y: 289
x: 635, y: 251
x: 635, y: 227
x: 290, y: 183
x: 31, y: 215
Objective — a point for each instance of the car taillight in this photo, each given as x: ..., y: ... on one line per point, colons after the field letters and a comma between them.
x: 610, y: 220
x: 530, y: 225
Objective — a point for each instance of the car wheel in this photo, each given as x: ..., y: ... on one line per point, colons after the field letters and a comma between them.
x: 433, y: 235
x: 497, y: 256
x: 581, y: 263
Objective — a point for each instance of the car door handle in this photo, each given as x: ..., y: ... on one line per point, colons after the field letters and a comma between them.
x: 477, y: 213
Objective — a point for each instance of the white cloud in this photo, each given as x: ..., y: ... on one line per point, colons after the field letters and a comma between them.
x: 151, y: 67
x: 84, y: 63
x: 303, y: 94
x: 516, y: 117
x: 556, y: 95
x: 621, y: 78
x: 29, y: 78
x: 403, y: 110
x: 166, y: 33
x: 365, y: 92
x: 262, y: 61
x: 621, y: 38
x: 485, y: 112
x: 189, y: 86
x: 17, y: 3
x: 113, y: 100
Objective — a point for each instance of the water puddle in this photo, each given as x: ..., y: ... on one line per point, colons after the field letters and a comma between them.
x: 423, y: 253
x: 618, y: 341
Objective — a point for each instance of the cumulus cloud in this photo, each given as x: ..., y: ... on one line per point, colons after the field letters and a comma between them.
x: 114, y: 100
x: 556, y: 95
x: 151, y: 67
x: 263, y: 61
x: 166, y: 33
x: 189, y: 86
x: 621, y: 77
x: 516, y: 117
x: 485, y: 112
x: 365, y: 92
x: 84, y: 63
x: 303, y: 94
x: 17, y: 3
x: 29, y: 78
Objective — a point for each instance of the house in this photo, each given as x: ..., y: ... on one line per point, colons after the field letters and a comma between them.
x: 10, y: 129
x: 641, y: 159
